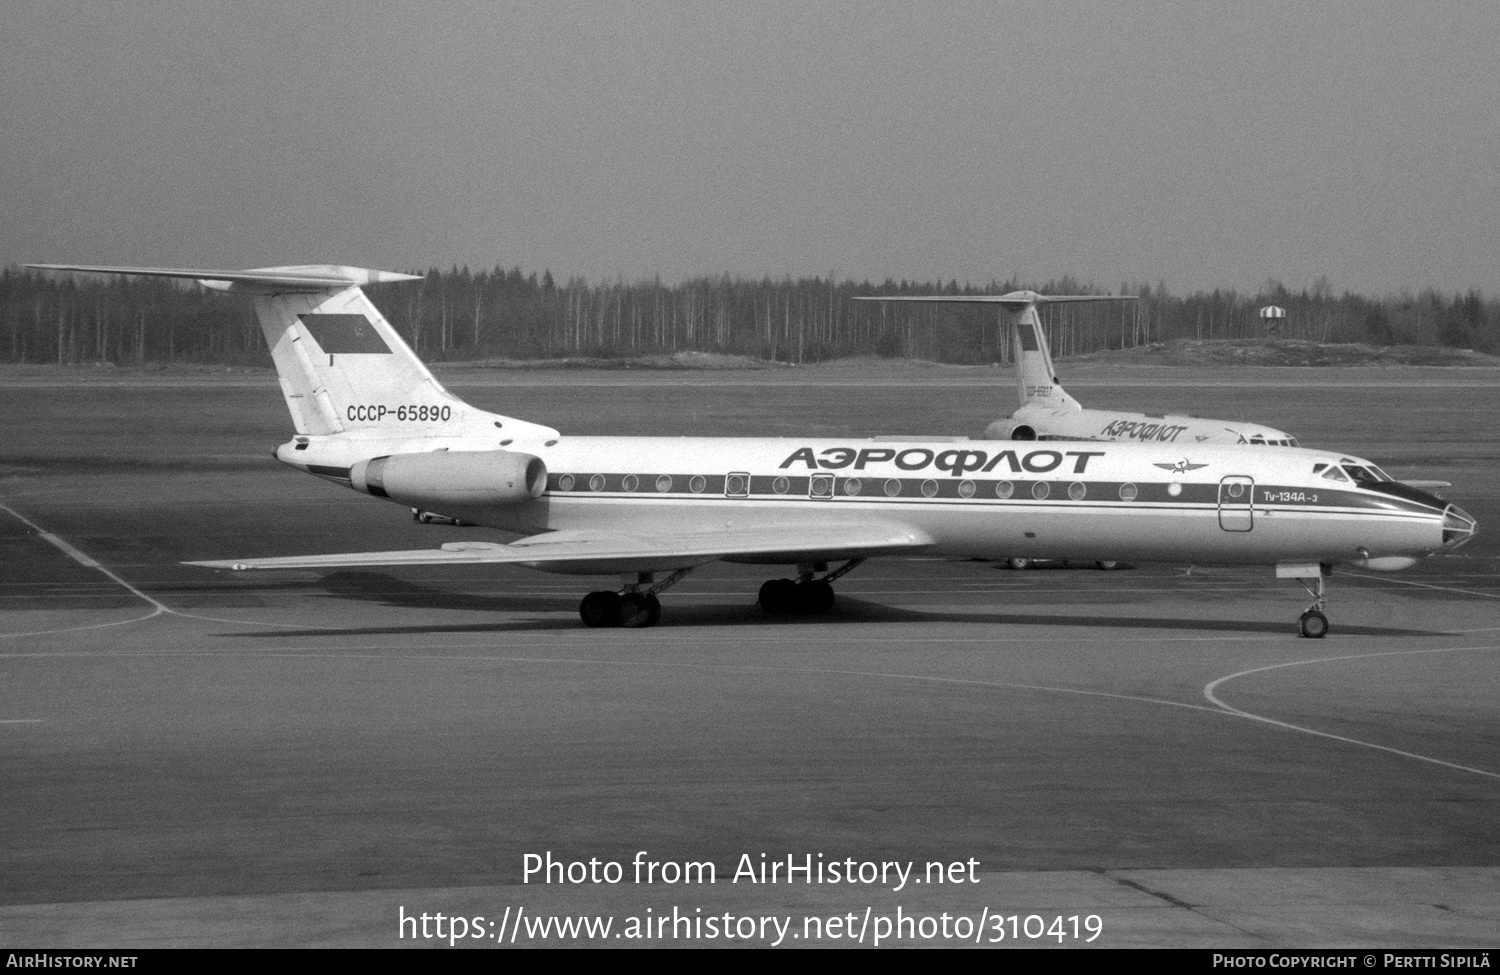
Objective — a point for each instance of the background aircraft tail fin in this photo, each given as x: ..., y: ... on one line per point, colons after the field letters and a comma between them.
x: 1035, y: 379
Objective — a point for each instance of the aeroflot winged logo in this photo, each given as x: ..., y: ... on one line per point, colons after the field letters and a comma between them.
x: 1181, y: 467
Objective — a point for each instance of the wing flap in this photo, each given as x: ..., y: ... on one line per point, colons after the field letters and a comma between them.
x: 601, y: 552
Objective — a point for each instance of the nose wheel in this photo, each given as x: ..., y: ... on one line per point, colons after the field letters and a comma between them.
x: 1313, y: 624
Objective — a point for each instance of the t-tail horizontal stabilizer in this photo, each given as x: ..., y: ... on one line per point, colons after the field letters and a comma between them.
x: 343, y: 368
x: 300, y: 277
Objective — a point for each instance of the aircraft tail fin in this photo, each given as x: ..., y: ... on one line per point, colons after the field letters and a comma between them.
x: 341, y: 364
x: 342, y: 367
x: 1036, y: 378
x: 1036, y: 381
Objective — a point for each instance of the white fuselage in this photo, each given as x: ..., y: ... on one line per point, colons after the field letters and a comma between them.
x: 1039, y: 421
x: 371, y: 416
x: 1143, y: 501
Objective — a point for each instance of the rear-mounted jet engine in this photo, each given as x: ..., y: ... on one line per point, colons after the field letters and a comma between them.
x: 452, y: 479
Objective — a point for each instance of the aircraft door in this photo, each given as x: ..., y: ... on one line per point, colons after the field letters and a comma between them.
x: 1236, y: 497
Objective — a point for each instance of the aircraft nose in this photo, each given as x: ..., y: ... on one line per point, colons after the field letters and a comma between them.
x: 1458, y: 527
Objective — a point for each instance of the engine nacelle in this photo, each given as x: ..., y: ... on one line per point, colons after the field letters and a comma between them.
x: 1009, y: 429
x: 443, y: 479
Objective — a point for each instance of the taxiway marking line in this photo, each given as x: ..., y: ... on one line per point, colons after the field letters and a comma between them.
x: 1425, y: 585
x: 82, y: 559
x: 1211, y: 686
x: 159, y: 607
x: 1219, y: 707
x: 76, y: 629
x: 657, y: 664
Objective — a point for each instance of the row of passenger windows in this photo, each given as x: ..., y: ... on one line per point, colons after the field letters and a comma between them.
x: 823, y: 486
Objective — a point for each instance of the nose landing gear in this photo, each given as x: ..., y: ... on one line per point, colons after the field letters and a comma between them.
x: 1312, y: 623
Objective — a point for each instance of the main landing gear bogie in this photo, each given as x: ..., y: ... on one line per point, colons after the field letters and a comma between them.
x: 634, y: 606
x: 785, y: 597
x: 807, y: 595
x: 630, y: 609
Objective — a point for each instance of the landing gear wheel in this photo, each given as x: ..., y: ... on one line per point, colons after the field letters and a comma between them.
x: 600, y: 608
x: 1313, y: 625
x: 634, y: 611
x: 1018, y: 563
x: 653, y: 611
x: 814, y: 597
x: 777, y: 597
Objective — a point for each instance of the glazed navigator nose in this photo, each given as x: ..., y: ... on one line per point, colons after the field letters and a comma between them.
x: 1458, y: 527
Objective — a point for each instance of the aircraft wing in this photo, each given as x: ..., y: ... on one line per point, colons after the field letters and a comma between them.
x: 607, y: 552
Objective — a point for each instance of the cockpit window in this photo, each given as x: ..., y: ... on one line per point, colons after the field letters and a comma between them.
x: 1334, y: 473
x: 1364, y: 472
x: 1291, y: 441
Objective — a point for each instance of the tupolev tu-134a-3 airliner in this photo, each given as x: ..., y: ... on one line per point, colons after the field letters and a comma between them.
x: 370, y: 416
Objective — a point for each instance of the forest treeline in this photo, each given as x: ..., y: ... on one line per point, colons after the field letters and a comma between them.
x: 458, y: 314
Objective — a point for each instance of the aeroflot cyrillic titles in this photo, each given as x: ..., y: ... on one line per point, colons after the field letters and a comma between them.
x: 955, y: 462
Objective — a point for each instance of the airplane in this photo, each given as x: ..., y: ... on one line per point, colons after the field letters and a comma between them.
x: 1047, y: 412
x: 370, y: 416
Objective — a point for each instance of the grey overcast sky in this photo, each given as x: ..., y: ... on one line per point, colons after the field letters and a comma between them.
x: 1205, y: 144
